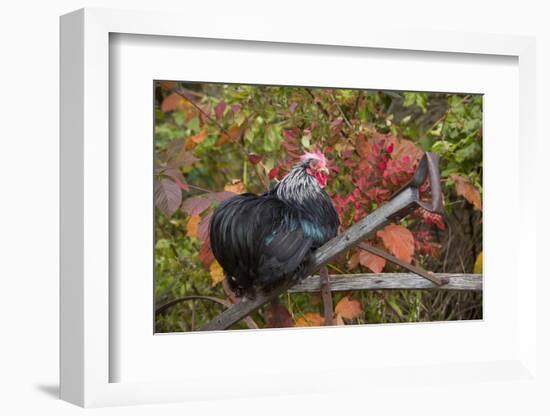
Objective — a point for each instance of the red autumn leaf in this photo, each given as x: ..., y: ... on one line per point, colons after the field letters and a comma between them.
x: 273, y: 173
x: 289, y: 135
x: 193, y: 226
x: 363, y: 146
x: 219, y: 109
x: 336, y: 126
x: 277, y: 316
x: 168, y: 85
x: 398, y: 240
x: 292, y: 107
x: 291, y: 147
x: 195, y: 205
x: 353, y: 261
x: 222, y: 139
x: 205, y: 254
x: 363, y: 184
x: 310, y: 319
x: 198, y: 204
x: 219, y: 196
x: 378, y: 194
x: 236, y: 186
x: 176, y: 175
x: 404, y: 148
x: 172, y: 102
x: 192, y: 141
x: 337, y: 122
x: 254, y: 158
x: 432, y: 218
x: 467, y: 190
x: 291, y: 143
x: 167, y: 196
x: 204, y: 228
x: 231, y: 135
x: 181, y: 157
x: 374, y: 263
x: 182, y: 185
x: 348, y: 308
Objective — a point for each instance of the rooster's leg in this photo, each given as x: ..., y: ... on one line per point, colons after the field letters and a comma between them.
x: 326, y: 294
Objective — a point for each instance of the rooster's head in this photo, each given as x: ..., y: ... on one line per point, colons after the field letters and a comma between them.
x: 315, y: 165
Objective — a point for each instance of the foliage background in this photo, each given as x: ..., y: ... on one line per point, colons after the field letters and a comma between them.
x: 214, y: 140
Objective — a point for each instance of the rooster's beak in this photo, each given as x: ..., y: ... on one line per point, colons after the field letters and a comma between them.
x: 325, y: 171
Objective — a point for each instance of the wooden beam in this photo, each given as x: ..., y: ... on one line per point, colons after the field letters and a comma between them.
x: 384, y: 281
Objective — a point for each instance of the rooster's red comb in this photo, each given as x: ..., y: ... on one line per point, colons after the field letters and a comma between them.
x: 316, y: 154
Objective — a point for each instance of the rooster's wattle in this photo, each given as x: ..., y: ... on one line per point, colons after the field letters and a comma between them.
x: 260, y: 240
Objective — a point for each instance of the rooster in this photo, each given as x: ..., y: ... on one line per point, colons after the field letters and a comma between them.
x: 261, y: 240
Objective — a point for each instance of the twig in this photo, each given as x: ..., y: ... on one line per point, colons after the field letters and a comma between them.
x: 415, y: 269
x: 356, y: 104
x: 333, y: 267
x: 261, y: 177
x: 341, y: 111
x: 161, y: 309
x: 449, y: 241
x: 318, y: 104
x: 445, y: 114
x: 439, y: 120
x: 198, y: 188
x: 181, y: 93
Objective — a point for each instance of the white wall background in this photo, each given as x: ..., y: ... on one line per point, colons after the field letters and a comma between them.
x: 29, y: 102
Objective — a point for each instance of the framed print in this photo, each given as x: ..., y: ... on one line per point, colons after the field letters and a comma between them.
x: 139, y: 91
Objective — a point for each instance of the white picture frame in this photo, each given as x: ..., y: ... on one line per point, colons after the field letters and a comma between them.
x: 86, y: 355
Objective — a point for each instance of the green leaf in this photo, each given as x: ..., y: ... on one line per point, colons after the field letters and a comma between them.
x: 179, y: 118
x: 194, y: 125
x: 426, y: 143
x: 422, y: 101
x: 406, y: 119
x: 409, y: 100
x: 442, y: 147
x: 436, y: 131
x: 240, y: 118
x: 418, y: 98
x: 469, y: 152
x: 162, y: 243
x: 306, y: 138
x: 396, y: 308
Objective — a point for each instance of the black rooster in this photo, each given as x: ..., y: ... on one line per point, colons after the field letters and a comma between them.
x: 260, y: 240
